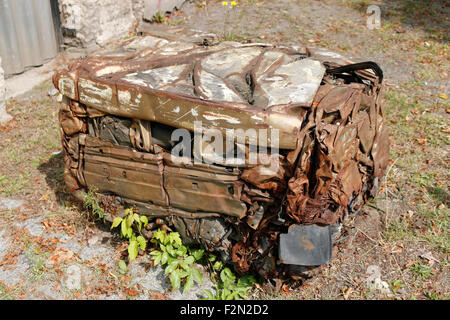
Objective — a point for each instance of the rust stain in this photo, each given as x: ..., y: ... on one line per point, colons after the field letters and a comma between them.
x: 306, y: 243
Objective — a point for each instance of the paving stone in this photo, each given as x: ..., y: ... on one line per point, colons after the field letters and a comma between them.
x: 72, y: 244
x: 103, y: 253
x: 33, y: 226
x: 48, y: 292
x: 14, y: 273
x: 152, y: 280
x: 10, y: 204
x: 59, y: 235
x: 4, y: 243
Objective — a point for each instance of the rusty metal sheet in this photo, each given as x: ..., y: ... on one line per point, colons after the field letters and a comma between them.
x: 122, y: 104
x: 219, y: 89
x: 104, y: 169
x: 306, y: 245
x: 203, y: 191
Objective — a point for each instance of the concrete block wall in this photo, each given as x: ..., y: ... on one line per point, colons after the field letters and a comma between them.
x: 95, y: 22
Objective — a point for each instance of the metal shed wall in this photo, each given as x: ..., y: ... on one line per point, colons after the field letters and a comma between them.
x: 27, y: 34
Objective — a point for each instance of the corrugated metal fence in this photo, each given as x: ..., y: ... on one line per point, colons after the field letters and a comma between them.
x: 27, y: 34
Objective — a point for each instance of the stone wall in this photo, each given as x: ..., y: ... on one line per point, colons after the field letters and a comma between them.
x: 3, y: 115
x: 138, y: 9
x: 95, y: 22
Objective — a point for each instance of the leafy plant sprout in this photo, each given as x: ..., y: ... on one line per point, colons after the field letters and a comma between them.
x: 126, y: 223
x: 178, y: 260
x: 91, y: 203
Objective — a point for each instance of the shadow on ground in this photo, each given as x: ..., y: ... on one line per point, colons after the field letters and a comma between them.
x: 439, y: 194
x: 53, y: 169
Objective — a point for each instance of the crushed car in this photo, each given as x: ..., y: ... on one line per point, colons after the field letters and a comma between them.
x: 259, y: 152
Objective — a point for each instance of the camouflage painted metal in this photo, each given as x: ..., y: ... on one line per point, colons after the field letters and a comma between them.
x: 122, y: 104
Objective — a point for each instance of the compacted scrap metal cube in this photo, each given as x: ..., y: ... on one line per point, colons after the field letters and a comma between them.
x: 122, y: 105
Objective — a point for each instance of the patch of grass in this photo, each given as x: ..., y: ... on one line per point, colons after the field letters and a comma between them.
x: 38, y: 261
x: 396, y: 285
x: 433, y: 295
x: 420, y: 174
x: 424, y: 179
x: 13, y: 185
x: 426, y: 73
x: 399, y: 103
x: 91, y: 202
x: 398, y: 229
x: 3, y: 291
x: 231, y: 36
x: 10, y: 292
x: 159, y: 17
x: 421, y: 271
x: 437, y: 226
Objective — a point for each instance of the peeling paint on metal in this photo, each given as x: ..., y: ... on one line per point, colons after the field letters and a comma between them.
x: 215, y: 116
